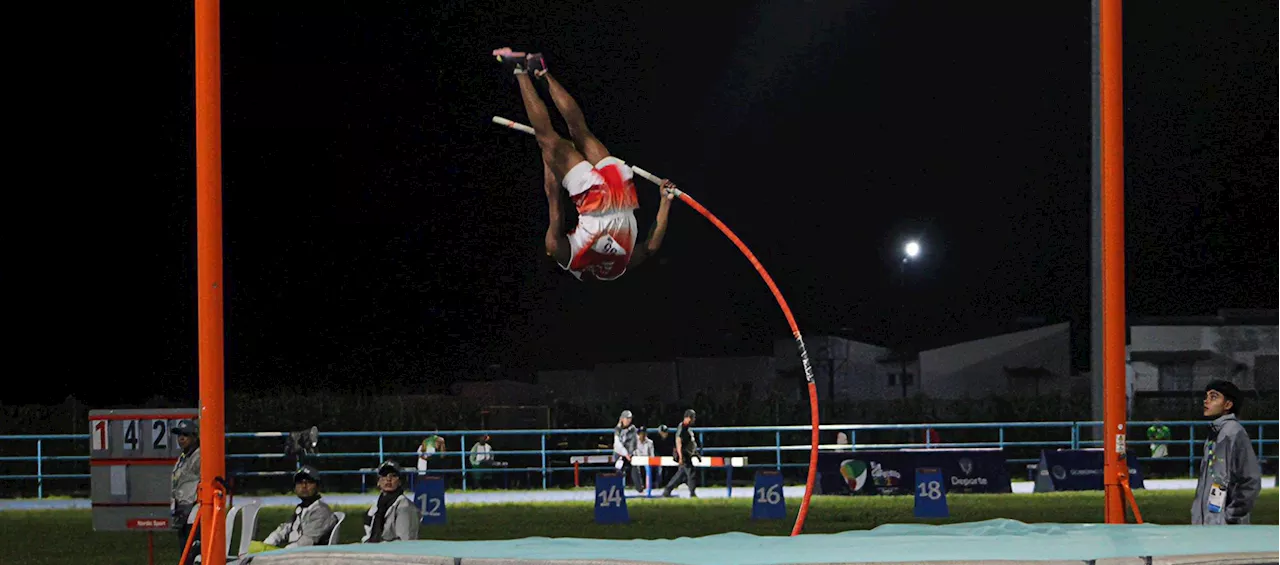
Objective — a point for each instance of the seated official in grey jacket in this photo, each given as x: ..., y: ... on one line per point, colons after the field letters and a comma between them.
x: 312, y: 521
x: 1230, y: 478
x: 393, y: 516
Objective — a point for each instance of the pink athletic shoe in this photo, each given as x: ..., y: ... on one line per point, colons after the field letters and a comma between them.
x: 514, y: 60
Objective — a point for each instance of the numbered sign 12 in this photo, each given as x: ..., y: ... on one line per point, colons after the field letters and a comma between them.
x: 931, y: 493
x: 428, y: 493
x: 611, y: 499
x: 768, y: 503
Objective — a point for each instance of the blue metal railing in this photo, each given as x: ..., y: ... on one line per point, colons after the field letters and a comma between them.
x: 1070, y: 438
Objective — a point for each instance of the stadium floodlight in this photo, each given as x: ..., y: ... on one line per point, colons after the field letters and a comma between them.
x: 911, y: 250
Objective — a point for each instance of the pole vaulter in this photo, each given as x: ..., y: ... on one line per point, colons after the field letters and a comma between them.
x: 777, y: 295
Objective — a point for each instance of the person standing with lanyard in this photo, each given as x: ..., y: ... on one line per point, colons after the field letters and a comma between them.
x: 686, y: 451
x: 1229, y: 479
x: 184, y: 480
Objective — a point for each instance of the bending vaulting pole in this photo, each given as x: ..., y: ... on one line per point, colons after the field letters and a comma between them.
x: 782, y: 303
x: 209, y: 277
x: 1115, y: 469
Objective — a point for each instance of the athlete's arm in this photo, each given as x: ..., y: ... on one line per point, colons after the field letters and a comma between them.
x: 659, y: 229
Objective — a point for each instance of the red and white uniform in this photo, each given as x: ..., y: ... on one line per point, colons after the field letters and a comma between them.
x: 605, y: 196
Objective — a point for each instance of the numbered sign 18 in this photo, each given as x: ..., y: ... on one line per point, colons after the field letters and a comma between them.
x: 768, y: 502
x: 611, y: 499
x: 428, y: 493
x: 931, y: 493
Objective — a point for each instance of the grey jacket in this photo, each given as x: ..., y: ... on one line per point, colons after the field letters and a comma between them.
x: 185, y: 478
x: 624, y: 440
x: 402, y: 521
x: 1234, y: 466
x: 310, y: 526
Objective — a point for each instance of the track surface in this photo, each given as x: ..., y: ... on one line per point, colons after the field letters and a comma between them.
x: 580, y: 495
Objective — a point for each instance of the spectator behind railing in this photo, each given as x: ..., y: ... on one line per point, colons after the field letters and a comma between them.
x: 432, y: 445
x: 481, y: 460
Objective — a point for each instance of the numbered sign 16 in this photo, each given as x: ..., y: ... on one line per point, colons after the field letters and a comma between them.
x: 768, y: 502
x: 428, y: 493
x: 611, y: 499
x: 931, y: 493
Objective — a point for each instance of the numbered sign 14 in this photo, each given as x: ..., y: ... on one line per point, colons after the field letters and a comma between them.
x: 611, y: 499
x: 768, y: 502
x: 428, y: 494
x: 931, y: 493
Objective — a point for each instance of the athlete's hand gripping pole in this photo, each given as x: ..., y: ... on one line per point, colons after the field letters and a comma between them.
x: 777, y: 295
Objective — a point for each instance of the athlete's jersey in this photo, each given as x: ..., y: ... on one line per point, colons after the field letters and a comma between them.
x: 605, y: 196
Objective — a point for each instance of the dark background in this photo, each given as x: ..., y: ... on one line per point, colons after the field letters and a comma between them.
x: 381, y: 234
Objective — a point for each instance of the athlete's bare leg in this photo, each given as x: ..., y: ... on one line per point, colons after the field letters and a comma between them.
x: 557, y: 244
x: 582, y: 136
x: 557, y: 151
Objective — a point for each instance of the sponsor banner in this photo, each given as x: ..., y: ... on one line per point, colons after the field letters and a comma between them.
x: 1076, y: 469
x: 893, y: 472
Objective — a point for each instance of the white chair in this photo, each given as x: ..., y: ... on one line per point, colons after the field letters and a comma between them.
x: 232, y: 513
x: 248, y: 526
x: 248, y: 513
x: 333, y: 534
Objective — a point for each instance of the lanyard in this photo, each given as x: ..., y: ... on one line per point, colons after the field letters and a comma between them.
x: 1208, y: 456
x: 177, y: 467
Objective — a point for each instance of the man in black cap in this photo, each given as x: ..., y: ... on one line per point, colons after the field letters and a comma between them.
x: 1229, y: 479
x: 184, y: 481
x: 686, y: 450
x: 312, y: 520
x: 393, y: 516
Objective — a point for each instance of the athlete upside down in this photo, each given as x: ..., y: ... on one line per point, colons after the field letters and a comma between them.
x: 603, y: 245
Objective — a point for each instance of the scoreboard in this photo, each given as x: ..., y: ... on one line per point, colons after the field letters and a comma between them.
x: 131, y: 458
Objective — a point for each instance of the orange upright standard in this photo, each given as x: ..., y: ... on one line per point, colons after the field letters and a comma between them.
x: 213, y: 493
x: 1115, y: 467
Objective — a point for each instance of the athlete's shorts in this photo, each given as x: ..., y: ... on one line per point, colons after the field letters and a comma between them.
x: 605, y: 196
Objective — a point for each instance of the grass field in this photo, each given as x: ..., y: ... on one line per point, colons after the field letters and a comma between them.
x: 65, y: 536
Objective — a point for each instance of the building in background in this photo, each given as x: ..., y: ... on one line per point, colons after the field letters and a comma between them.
x: 1030, y: 361
x: 1177, y: 356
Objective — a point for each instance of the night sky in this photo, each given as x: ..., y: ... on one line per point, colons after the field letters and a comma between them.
x: 383, y: 236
